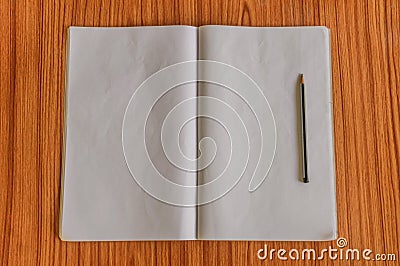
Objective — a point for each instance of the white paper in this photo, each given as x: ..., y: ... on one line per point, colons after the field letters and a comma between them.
x: 101, y: 198
x: 282, y: 208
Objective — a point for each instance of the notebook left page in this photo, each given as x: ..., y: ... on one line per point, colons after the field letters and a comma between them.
x: 100, y: 197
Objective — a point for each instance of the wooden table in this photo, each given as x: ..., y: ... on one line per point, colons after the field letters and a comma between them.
x: 365, y: 38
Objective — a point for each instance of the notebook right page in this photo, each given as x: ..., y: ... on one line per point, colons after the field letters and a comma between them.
x: 281, y: 207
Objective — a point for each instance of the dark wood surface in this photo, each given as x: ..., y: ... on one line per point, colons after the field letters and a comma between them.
x: 365, y: 38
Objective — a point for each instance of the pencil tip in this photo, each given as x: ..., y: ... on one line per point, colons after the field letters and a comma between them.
x: 302, y: 78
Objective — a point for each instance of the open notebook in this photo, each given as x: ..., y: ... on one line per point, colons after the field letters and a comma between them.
x: 159, y: 145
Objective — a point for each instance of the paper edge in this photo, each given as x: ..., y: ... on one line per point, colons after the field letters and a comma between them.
x: 327, y: 33
x: 64, y: 137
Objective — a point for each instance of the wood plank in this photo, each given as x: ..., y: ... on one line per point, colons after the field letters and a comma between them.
x: 365, y: 42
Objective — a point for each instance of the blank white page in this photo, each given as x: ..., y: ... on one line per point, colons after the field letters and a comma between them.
x: 282, y: 208
x: 100, y: 198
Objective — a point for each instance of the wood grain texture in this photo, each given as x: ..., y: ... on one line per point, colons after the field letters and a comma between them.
x: 365, y: 39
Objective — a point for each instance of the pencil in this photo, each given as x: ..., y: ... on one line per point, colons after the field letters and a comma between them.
x: 303, y: 129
